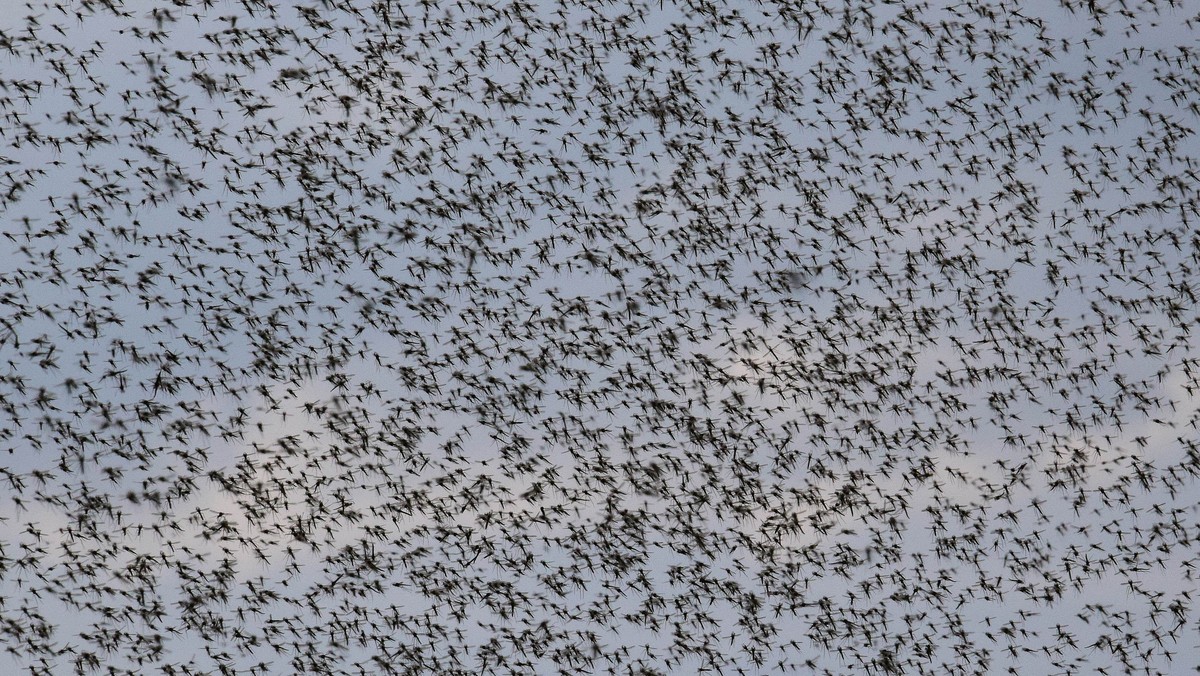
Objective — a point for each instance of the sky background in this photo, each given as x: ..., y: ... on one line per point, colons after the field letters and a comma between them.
x: 373, y: 337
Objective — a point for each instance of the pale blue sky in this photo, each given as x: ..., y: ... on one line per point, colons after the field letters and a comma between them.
x: 740, y: 177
